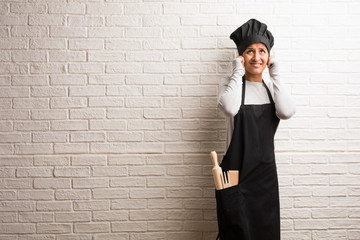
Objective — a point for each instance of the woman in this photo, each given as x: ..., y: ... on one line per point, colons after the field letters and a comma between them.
x: 251, y: 210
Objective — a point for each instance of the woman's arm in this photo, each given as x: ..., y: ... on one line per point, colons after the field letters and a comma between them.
x: 284, y: 104
x: 229, y: 99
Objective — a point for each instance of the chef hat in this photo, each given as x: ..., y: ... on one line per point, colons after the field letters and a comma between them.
x: 251, y: 32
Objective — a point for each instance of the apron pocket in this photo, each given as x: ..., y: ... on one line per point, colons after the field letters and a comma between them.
x: 232, y: 219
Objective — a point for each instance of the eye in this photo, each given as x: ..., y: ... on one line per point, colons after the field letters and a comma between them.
x: 249, y: 51
x: 262, y: 51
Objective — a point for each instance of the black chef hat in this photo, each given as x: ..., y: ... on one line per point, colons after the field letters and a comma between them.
x: 251, y: 32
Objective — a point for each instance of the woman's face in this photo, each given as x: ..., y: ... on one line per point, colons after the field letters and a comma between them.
x: 255, y: 58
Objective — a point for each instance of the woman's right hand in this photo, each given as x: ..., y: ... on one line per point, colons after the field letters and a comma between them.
x: 242, y: 60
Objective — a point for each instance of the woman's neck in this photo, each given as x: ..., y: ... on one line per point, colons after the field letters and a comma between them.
x: 253, y: 78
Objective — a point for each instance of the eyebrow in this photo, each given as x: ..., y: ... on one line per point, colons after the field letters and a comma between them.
x: 259, y: 48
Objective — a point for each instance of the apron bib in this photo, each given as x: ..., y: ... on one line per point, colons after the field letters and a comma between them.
x: 251, y: 209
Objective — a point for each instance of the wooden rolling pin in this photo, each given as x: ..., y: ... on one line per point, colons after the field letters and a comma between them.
x: 232, y: 178
x: 217, y: 171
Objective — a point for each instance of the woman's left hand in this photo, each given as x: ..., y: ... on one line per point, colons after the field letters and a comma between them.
x: 271, y: 57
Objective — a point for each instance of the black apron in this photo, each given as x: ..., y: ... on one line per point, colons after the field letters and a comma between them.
x: 251, y: 210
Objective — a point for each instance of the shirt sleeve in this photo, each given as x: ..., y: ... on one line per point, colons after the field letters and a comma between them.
x: 229, y: 98
x: 284, y: 104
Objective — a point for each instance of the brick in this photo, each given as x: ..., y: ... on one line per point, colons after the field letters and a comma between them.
x: 49, y: 114
x: 17, y: 228
x: 92, y: 205
x: 7, y: 195
x: 122, y: 68
x: 315, y: 202
x: 35, y: 217
x: 43, y: 68
x: 146, y: 171
x: 107, y: 148
x: 164, y: 226
x: 128, y: 136
x: 49, y: 43
x: 72, y: 194
x: 50, y: 137
x: 106, y: 102
x: 110, y: 215
x: 165, y: 203
x: 86, y: 20
x: 68, y: 8
x: 46, y: 183
x: 31, y: 126
x: 51, y: 160
x: 142, y: 102
x: 162, y: 113
x: 72, y: 172
x: 133, y: 226
x: 32, y: 103
x: 8, y: 217
x: 29, y: 56
x: 186, y: 214
x: 129, y: 204
x: 107, y: 125
x: 21, y: 206
x: 67, y: 56
x: 34, y: 172
x: 329, y: 234
x: 186, y: 235
x: 145, y: 125
x: 55, y: 228
x: 111, y: 236
x: 110, y: 193
x: 28, y: 31
x: 110, y: 171
x: 13, y: 44
x: 35, y: 195
x: 127, y: 159
x: 86, y: 67
x: 147, y: 215
x: 328, y: 213
x: 74, y: 236
x: 15, y: 183
x: 73, y: 217
x: 200, y: 226
x: 71, y: 148
x: 179, y: 193
x: 87, y: 91
x: 147, y: 193
x: 144, y: 147
x: 127, y: 182
x: 164, y: 159
x: 13, y: 138
x: 54, y: 206
x: 88, y: 160
x: 90, y: 183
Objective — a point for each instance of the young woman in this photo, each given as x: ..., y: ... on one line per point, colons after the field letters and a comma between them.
x: 251, y: 210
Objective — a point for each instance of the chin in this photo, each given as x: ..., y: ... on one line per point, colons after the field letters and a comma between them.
x: 256, y: 72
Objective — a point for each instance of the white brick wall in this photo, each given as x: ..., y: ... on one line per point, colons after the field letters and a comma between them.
x: 108, y: 114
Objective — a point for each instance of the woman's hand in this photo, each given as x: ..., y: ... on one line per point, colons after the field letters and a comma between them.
x: 242, y: 60
x: 271, y: 57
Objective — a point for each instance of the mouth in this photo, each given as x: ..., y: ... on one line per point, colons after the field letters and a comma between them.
x: 256, y: 65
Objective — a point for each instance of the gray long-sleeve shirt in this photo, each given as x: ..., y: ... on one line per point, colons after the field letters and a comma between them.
x: 230, y: 91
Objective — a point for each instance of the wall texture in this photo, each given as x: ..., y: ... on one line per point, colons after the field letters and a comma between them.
x: 108, y: 114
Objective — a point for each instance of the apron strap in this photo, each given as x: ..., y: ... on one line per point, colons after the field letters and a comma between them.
x: 268, y: 92
x: 243, y: 91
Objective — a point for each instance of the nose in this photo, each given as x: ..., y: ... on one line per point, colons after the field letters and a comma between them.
x: 256, y: 56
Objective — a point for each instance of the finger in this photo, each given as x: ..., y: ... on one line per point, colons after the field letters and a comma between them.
x: 242, y: 61
x: 271, y: 57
